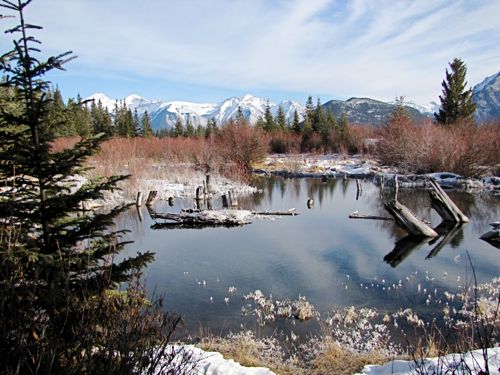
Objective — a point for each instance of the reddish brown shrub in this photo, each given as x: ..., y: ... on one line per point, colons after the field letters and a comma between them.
x: 463, y: 148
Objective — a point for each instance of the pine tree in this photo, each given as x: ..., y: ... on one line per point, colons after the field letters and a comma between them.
x: 137, y: 124
x: 456, y: 101
x: 280, y: 118
x: 190, y: 131
x: 239, y: 115
x: 319, y: 121
x: 178, y: 130
x: 56, y: 263
x: 296, y: 123
x: 270, y: 125
x: 146, y: 125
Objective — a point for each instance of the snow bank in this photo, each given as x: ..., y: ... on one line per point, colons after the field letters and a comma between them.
x: 213, y: 363
x: 471, y: 362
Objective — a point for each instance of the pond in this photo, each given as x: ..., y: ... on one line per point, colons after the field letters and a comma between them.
x: 322, y: 254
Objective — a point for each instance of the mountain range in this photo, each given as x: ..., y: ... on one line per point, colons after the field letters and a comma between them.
x: 163, y: 114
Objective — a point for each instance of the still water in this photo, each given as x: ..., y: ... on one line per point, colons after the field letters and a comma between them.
x: 321, y: 254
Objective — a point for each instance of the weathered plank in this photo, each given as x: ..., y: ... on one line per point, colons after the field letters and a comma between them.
x: 407, y: 220
x: 443, y: 205
x: 356, y: 215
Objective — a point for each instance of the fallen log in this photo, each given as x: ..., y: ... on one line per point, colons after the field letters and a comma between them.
x: 408, y: 220
x: 275, y: 213
x: 443, y: 205
x: 356, y: 215
x: 198, y: 219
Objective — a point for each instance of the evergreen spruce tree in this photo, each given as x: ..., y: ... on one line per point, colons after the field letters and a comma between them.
x: 190, y: 131
x: 319, y: 121
x: 456, y: 101
x: 101, y: 119
x: 137, y: 123
x: 239, y: 115
x: 296, y: 123
x: 280, y: 118
x: 146, y: 125
x: 178, y: 130
x: 270, y: 125
x: 56, y: 263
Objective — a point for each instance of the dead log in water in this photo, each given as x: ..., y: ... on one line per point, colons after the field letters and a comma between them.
x: 356, y: 215
x: 407, y: 220
x: 443, y: 205
x: 196, y: 219
x: 276, y: 213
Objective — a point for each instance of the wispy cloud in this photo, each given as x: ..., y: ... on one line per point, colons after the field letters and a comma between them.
x: 321, y: 47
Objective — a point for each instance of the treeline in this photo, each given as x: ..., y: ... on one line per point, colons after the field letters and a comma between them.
x: 86, y: 118
x: 319, y: 130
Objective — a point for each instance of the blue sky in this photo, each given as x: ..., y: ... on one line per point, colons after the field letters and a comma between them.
x: 209, y: 50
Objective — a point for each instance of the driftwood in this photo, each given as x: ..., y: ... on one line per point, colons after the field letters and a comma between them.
x: 151, y: 197
x: 276, y: 213
x: 443, y: 205
x: 356, y: 215
x: 193, y: 219
x: 408, y: 220
x: 138, y: 201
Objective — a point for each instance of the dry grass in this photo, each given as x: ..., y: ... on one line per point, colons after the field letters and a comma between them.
x: 336, y: 360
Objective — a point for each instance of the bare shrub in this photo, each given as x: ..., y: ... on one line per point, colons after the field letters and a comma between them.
x: 464, y: 148
x: 241, y: 144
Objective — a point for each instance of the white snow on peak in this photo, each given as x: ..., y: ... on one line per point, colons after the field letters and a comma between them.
x: 486, y: 82
x: 165, y: 114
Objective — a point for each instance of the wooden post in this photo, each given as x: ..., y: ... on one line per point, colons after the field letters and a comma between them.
x: 443, y: 205
x: 207, y: 183
x: 396, y: 187
x: 408, y: 221
x: 232, y: 200
x: 138, y: 201
x: 170, y: 201
x: 151, y: 197
x: 382, y: 186
x: 225, y: 202
x: 359, y: 189
x: 199, y: 192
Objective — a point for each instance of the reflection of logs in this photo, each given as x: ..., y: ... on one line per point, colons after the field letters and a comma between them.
x: 408, y: 220
x: 492, y: 237
x: 403, y: 248
x: 444, y: 206
x: 447, y: 231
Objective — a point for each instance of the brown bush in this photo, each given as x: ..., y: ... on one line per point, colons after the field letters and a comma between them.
x: 464, y: 148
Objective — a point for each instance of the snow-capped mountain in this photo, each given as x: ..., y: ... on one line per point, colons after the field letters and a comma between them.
x: 486, y: 95
x: 165, y: 114
x: 368, y: 111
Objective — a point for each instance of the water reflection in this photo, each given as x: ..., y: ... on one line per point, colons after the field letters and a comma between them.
x: 321, y: 253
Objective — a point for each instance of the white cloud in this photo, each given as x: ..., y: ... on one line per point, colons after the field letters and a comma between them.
x: 335, y: 48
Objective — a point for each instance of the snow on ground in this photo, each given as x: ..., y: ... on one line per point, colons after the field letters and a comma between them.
x: 468, y: 363
x: 357, y: 166
x: 212, y: 363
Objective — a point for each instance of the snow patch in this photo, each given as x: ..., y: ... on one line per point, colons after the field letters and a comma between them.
x: 470, y: 362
